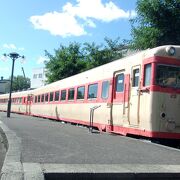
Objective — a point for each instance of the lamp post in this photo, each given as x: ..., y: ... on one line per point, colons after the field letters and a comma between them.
x: 13, y: 56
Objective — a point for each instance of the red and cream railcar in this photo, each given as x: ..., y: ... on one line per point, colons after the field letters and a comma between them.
x: 19, y: 102
x: 139, y: 94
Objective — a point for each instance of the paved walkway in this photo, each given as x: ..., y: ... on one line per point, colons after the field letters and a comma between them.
x: 2, y: 150
x: 41, y: 145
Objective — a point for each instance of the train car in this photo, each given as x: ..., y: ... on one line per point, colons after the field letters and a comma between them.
x: 138, y: 95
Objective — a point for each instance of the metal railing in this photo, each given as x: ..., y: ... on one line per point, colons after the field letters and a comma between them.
x: 91, y: 118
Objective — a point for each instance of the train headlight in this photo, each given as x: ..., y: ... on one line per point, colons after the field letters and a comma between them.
x: 171, y: 50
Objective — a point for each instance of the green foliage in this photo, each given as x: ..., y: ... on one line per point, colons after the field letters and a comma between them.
x: 67, y: 61
x: 77, y: 58
x: 20, y: 83
x: 157, y: 23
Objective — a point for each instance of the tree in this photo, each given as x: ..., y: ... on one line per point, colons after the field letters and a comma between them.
x: 66, y: 62
x: 76, y: 58
x: 97, y: 55
x: 157, y: 23
x: 115, y: 49
x: 94, y: 55
x: 20, y: 83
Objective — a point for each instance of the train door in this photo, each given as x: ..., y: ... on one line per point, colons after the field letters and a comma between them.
x: 134, y: 102
x: 120, y: 98
x: 29, y: 100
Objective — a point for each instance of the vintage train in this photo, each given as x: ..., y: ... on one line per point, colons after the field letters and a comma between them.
x: 138, y: 95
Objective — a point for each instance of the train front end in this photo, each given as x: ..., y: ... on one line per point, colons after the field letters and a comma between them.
x: 165, y: 104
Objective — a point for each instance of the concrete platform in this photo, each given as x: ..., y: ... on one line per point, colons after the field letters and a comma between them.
x: 45, y: 149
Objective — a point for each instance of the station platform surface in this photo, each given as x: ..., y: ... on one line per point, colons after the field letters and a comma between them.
x: 40, y: 148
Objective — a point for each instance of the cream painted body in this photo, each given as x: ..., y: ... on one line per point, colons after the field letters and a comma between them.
x: 142, y: 111
x: 170, y: 105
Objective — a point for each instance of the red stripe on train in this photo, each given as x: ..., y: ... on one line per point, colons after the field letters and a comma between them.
x: 119, y: 129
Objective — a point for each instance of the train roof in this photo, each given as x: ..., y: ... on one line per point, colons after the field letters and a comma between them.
x: 158, y: 51
x: 164, y: 51
x: 83, y: 77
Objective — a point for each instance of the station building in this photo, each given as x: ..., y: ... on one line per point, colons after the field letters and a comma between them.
x: 4, y: 85
x: 38, y: 78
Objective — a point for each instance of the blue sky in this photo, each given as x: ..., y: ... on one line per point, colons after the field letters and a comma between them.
x: 29, y: 27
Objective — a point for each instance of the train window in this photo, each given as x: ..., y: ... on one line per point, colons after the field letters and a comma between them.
x: 42, y: 98
x: 71, y: 94
x: 135, y: 78
x: 56, y: 98
x: 29, y: 98
x: 147, y: 75
x: 46, y: 97
x: 92, y: 91
x: 39, y: 98
x: 51, y: 96
x: 105, y: 90
x: 35, y: 99
x: 120, y: 83
x: 63, y: 95
x: 168, y: 76
x: 81, y: 92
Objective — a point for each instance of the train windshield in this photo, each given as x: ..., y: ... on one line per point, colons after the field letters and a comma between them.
x: 168, y: 76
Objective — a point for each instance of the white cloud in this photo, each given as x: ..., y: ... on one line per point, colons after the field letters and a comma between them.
x: 13, y: 47
x: 133, y: 14
x: 90, y: 23
x: 41, y: 60
x: 96, y: 9
x: 61, y: 24
x: 67, y: 22
x: 21, y: 49
x: 9, y: 46
x: 3, y: 58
